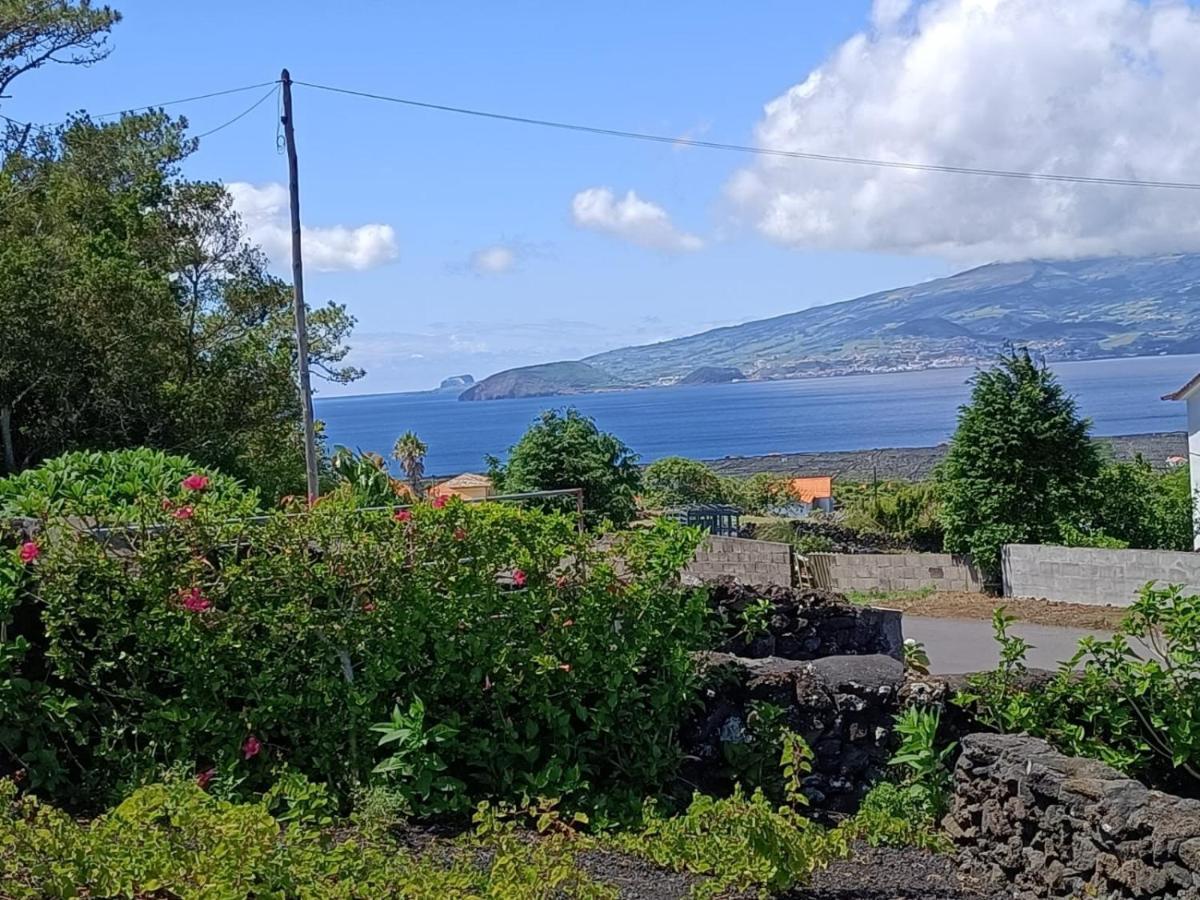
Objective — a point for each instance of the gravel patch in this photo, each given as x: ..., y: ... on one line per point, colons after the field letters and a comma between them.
x: 955, y: 605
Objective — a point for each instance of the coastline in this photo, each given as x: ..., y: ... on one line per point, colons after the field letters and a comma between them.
x: 918, y: 463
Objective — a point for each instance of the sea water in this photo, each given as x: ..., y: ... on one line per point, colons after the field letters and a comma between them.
x: 852, y: 412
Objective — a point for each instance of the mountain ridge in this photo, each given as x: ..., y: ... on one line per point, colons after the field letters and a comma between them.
x: 1061, y: 309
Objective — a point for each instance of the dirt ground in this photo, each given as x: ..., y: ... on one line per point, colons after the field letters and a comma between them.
x: 871, y: 874
x: 955, y: 605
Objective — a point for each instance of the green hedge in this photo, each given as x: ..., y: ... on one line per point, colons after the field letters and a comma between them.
x: 235, y: 648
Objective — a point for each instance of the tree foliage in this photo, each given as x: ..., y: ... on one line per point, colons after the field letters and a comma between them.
x: 1019, y: 465
x: 1139, y: 507
x: 36, y: 32
x: 134, y: 311
x: 410, y: 451
x: 674, y: 480
x: 566, y: 450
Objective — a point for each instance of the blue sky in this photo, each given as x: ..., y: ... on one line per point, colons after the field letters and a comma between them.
x: 492, y: 262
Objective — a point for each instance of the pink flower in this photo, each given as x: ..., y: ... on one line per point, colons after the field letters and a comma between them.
x: 487, y: 683
x: 29, y: 552
x: 402, y: 515
x: 566, y: 667
x: 567, y: 623
x: 252, y: 747
x: 368, y: 607
x: 460, y: 534
x: 203, y: 779
x: 184, y: 512
x: 561, y: 582
x: 194, y: 601
x: 195, y: 482
x: 439, y: 502
x: 166, y: 503
x: 518, y: 577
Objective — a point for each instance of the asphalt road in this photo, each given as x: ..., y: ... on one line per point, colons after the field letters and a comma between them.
x: 967, y: 645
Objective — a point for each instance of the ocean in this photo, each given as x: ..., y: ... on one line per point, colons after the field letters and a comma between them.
x: 852, y: 412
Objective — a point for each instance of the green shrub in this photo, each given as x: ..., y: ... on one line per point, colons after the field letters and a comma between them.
x: 117, y: 485
x: 742, y: 841
x: 1132, y: 700
x: 907, y: 511
x: 675, y: 481
x: 174, y: 840
x: 784, y: 532
x: 896, y: 815
x: 238, y: 647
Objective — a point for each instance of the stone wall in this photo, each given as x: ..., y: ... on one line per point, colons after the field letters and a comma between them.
x: 894, y: 572
x: 802, y: 623
x: 1046, y: 825
x: 842, y: 706
x: 1084, y: 575
x: 750, y: 562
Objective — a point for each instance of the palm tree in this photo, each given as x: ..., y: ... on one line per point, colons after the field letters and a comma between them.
x: 410, y: 452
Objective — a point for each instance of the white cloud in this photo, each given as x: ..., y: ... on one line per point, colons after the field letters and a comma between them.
x: 494, y: 260
x: 630, y: 218
x: 1092, y: 87
x: 264, y: 210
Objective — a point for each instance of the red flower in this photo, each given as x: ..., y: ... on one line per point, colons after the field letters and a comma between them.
x: 561, y: 582
x: 402, y: 515
x: 166, y: 503
x: 460, y: 534
x: 194, y: 601
x: 195, y: 482
x: 439, y: 502
x: 518, y: 578
x: 29, y: 552
x: 184, y: 512
x: 203, y: 779
x: 252, y: 747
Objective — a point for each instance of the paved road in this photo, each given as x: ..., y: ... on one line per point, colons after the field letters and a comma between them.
x: 967, y: 645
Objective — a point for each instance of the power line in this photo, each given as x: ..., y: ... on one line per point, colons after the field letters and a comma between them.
x: 245, y: 112
x: 236, y: 90
x: 762, y: 151
x: 165, y: 103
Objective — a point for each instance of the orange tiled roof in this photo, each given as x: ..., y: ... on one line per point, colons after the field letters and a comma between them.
x: 458, y: 482
x: 811, y: 488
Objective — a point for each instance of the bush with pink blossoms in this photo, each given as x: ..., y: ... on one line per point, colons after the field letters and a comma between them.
x: 234, y: 648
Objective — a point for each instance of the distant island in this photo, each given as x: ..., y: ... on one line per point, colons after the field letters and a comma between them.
x: 1075, y: 309
x: 456, y: 382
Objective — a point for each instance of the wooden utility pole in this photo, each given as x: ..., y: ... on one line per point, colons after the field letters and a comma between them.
x: 310, y: 431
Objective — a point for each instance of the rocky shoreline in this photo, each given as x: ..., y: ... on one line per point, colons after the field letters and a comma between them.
x: 917, y: 463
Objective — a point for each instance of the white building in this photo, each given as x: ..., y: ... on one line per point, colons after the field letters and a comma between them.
x: 1190, y: 393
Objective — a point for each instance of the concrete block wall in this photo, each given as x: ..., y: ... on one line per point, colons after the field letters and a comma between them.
x: 894, y: 572
x: 1085, y: 575
x: 750, y: 562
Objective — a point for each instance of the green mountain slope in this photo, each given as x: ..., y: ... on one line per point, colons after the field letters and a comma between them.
x: 1119, y: 306
x: 544, y: 380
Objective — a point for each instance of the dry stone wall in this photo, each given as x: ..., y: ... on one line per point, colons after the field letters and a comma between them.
x: 1047, y: 825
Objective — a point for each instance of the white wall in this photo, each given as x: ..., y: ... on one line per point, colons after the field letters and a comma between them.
x: 1193, y: 407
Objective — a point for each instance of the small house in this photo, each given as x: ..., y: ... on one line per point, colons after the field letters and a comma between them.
x: 468, y: 486
x: 806, y: 495
x: 1190, y: 394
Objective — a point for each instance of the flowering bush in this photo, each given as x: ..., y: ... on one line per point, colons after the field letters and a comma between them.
x: 111, y: 485
x: 234, y: 647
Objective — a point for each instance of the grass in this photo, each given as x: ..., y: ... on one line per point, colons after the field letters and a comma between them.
x: 879, y: 597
